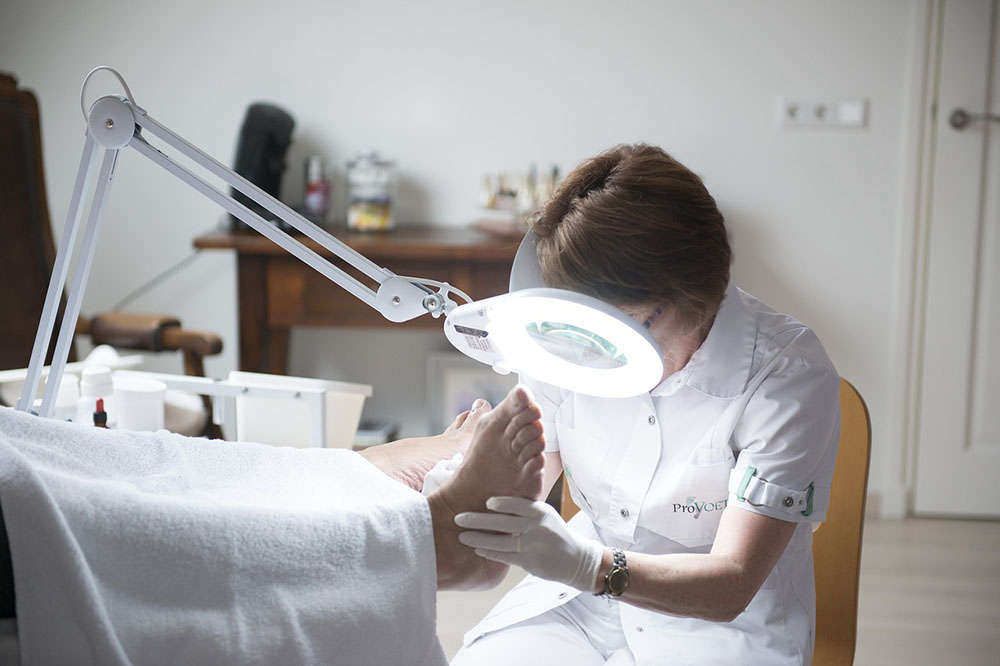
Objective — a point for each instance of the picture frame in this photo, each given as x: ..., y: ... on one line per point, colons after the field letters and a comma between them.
x: 455, y: 381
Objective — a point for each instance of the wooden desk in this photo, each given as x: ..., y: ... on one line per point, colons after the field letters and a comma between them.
x: 277, y: 291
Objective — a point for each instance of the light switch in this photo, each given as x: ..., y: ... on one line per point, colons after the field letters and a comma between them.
x: 852, y: 113
x: 812, y: 112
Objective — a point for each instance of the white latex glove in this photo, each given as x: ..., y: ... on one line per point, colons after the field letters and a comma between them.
x: 534, y: 537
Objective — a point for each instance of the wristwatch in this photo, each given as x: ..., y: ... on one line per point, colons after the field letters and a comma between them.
x: 616, y: 580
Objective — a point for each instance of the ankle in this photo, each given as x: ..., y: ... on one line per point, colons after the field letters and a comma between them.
x: 458, y: 567
x: 441, y: 502
x: 448, y: 561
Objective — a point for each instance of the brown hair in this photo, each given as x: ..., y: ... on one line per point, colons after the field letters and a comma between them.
x: 633, y: 226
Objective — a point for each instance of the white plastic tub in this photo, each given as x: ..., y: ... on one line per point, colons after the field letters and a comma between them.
x: 139, y: 402
x: 287, y: 422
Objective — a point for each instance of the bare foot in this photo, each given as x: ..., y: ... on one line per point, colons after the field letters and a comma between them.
x: 409, y: 460
x: 505, y: 458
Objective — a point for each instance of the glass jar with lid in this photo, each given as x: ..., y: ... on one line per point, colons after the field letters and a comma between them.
x: 371, y: 183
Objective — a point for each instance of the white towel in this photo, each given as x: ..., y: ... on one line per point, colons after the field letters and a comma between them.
x: 152, y: 548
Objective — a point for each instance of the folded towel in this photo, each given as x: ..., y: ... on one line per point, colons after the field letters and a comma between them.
x: 152, y: 548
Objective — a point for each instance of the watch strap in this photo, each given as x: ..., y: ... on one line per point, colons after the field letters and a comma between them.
x: 618, y: 565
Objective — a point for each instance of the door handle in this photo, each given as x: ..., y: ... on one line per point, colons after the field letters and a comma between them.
x: 960, y: 118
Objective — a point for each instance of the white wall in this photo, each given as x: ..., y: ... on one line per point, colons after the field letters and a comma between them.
x: 455, y: 89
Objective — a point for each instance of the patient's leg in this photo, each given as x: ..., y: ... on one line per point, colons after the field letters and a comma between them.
x: 505, y: 458
x: 409, y: 460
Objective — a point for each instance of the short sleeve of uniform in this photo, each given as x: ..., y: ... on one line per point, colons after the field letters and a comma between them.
x: 786, y: 439
x: 549, y: 399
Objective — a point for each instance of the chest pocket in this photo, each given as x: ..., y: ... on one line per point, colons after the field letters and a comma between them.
x: 688, y: 495
x: 583, y: 457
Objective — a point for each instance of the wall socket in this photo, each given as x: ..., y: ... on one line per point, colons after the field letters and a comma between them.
x: 811, y: 112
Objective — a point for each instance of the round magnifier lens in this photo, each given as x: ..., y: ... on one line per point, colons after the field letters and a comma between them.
x: 575, y: 345
x: 603, y: 352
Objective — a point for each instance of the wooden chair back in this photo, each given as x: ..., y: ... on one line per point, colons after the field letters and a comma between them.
x: 837, y: 543
x: 27, y: 250
x: 27, y: 254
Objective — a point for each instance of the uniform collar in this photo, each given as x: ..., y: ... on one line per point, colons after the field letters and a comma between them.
x: 721, y: 366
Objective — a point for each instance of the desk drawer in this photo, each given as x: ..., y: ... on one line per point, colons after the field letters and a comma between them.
x: 299, y: 296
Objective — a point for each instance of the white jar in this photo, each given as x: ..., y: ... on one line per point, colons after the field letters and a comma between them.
x: 67, y: 398
x: 371, y: 183
x: 139, y: 402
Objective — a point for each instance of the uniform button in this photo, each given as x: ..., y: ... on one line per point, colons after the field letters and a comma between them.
x: 652, y: 420
x: 624, y: 513
x: 562, y: 595
x: 788, y: 501
x: 639, y: 629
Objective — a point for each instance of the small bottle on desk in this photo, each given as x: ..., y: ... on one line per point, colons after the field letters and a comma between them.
x: 96, y: 390
x: 100, y: 416
x: 317, y: 195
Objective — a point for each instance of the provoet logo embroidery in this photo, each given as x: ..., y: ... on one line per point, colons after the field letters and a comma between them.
x: 694, y: 507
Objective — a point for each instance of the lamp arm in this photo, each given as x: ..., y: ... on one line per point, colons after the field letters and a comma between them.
x: 401, y: 300
x: 258, y: 224
x: 116, y: 122
x: 280, y: 210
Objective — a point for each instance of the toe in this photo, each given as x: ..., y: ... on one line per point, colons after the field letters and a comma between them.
x: 516, y: 401
x: 530, y: 450
x: 528, y: 416
x: 534, y: 465
x: 526, y: 435
x: 458, y: 422
x: 532, y: 477
x: 480, y: 408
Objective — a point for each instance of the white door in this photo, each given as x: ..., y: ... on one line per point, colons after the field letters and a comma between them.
x: 958, y: 438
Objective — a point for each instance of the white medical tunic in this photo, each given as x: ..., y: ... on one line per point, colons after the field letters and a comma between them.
x: 752, y: 421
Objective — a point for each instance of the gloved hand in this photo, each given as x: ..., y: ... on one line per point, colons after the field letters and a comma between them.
x: 534, y: 537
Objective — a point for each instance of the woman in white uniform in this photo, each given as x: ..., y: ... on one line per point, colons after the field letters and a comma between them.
x: 698, y: 499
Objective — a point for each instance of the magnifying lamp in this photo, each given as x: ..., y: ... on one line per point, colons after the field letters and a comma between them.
x: 559, y: 337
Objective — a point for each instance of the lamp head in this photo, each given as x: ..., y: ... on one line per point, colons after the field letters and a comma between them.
x: 557, y: 336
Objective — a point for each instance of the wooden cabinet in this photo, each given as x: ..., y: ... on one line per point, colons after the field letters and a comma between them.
x: 277, y: 291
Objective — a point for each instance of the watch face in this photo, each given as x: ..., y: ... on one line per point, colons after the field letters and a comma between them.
x: 617, y: 581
